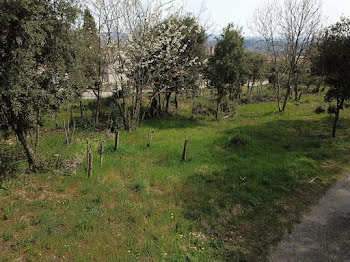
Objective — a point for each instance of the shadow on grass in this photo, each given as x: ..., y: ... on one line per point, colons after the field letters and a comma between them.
x: 171, y: 122
x: 261, y: 187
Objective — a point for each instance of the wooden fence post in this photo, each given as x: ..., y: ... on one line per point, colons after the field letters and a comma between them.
x: 87, y: 154
x: 101, y: 153
x: 184, y: 154
x: 90, y: 164
x: 150, y: 133
x: 116, y: 145
x: 65, y: 131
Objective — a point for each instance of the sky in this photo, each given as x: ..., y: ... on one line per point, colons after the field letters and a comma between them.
x: 218, y: 13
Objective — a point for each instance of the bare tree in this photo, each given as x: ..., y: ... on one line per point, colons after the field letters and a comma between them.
x: 265, y: 24
x: 288, y: 30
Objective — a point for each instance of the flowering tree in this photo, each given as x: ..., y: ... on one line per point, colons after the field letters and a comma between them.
x: 148, y: 57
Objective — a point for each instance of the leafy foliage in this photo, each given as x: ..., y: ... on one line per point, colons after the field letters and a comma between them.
x: 227, y: 70
x: 38, y: 65
x: 333, y: 61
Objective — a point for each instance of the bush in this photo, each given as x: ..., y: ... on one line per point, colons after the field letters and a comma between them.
x: 239, y: 140
x: 320, y: 110
x: 332, y: 109
x: 85, y: 123
x: 245, y: 101
x: 228, y: 107
x: 204, y: 108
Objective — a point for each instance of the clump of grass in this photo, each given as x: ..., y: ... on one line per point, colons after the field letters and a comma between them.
x: 6, y: 236
x: 239, y: 140
x: 140, y: 185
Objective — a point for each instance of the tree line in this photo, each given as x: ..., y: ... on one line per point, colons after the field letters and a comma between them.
x: 54, y: 51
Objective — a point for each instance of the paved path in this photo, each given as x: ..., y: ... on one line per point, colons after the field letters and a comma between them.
x: 323, y: 235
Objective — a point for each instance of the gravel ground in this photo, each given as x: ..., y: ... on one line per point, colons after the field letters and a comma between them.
x: 323, y: 235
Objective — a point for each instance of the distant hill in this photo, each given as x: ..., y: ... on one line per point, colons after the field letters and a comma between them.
x: 251, y: 43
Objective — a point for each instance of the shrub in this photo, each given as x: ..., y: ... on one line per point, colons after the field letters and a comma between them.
x: 332, y: 109
x: 207, y: 108
x: 239, y: 140
x: 320, y: 110
x: 245, y: 101
x: 228, y: 107
x: 85, y: 123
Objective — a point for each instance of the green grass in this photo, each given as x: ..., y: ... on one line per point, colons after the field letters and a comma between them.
x: 247, y: 180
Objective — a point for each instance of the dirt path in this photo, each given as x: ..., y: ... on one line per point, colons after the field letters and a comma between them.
x: 323, y: 235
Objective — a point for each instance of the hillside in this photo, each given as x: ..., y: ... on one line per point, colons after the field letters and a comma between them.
x: 246, y: 181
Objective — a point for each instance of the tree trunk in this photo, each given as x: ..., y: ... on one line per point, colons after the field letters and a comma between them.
x: 193, y: 100
x: 231, y: 93
x: 334, y: 130
x: 290, y: 77
x: 98, y: 108
x: 29, y: 155
x: 56, y: 120
x: 37, y: 138
x: 71, y: 113
x: 252, y: 87
x: 286, y: 98
x: 217, y: 109
x: 300, y: 94
x: 168, y: 95
x: 176, y: 99
x: 296, y: 81
x: 277, y: 82
x: 159, y: 104
x: 81, y: 109
x: 339, y: 106
x: 37, y: 134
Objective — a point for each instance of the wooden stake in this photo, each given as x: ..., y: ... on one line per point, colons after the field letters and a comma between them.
x: 90, y: 164
x: 101, y: 153
x: 184, y: 154
x: 88, y: 147
x: 116, y: 146
x: 150, y: 133
x: 66, y: 132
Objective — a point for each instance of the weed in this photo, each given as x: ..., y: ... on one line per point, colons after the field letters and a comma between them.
x: 140, y: 185
x: 239, y: 140
x: 320, y: 110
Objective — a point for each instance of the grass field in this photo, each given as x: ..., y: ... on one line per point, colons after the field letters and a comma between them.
x: 247, y: 180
